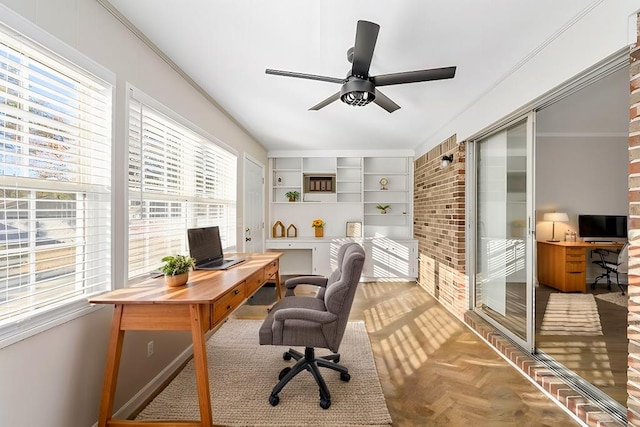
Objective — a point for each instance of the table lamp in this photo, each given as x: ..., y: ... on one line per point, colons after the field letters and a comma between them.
x: 555, y: 217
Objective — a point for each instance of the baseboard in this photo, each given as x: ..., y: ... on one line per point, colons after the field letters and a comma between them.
x: 144, y: 395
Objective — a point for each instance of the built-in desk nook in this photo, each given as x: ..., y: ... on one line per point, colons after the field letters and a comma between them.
x: 563, y: 265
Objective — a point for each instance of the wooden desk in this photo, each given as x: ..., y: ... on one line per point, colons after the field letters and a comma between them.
x: 563, y: 265
x: 203, y: 303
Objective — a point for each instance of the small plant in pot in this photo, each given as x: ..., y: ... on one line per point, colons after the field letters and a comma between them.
x: 383, y: 208
x: 292, y: 195
x: 176, y: 269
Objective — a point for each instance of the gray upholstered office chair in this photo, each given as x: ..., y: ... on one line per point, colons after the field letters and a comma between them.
x: 315, y: 322
x: 620, y: 266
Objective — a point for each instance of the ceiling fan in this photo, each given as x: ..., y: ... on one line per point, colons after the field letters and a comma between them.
x: 359, y: 88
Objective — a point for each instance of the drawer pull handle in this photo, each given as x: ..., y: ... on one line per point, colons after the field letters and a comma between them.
x: 228, y: 307
x: 237, y: 291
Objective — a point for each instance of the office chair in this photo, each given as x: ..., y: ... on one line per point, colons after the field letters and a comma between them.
x: 621, y: 266
x: 315, y: 322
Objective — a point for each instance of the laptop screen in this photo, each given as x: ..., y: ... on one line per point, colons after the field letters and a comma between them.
x: 205, y: 244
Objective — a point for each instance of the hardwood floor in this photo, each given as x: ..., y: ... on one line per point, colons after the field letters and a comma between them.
x: 434, y: 370
x: 599, y: 359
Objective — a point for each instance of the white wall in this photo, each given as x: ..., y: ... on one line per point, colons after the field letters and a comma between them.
x: 602, y: 32
x: 54, y: 379
x: 580, y: 175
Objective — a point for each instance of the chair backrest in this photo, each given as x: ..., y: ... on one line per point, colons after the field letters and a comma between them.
x: 339, y: 295
x: 623, y: 259
x: 335, y: 274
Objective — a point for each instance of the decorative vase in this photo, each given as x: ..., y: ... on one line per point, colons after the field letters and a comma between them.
x: 319, y: 231
x: 177, y: 280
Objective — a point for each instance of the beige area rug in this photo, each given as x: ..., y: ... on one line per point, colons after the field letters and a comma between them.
x: 242, y: 374
x: 571, y: 314
x: 615, y: 298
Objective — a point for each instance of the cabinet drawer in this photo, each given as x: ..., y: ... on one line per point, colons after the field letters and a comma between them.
x: 253, y: 283
x: 228, y: 302
x: 271, y: 269
x: 574, y: 282
x: 575, y: 254
x: 575, y: 267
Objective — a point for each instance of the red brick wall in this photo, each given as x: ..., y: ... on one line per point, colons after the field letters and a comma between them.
x: 633, y: 330
x: 439, y: 224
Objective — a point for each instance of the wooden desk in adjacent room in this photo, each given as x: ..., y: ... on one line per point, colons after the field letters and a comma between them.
x: 204, y: 303
x: 563, y: 265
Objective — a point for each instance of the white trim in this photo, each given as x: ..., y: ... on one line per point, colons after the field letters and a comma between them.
x: 23, y: 27
x: 152, y: 102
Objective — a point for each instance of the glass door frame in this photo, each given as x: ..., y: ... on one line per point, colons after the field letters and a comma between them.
x: 528, y: 343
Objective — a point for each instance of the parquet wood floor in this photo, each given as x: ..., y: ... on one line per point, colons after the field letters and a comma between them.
x: 434, y: 370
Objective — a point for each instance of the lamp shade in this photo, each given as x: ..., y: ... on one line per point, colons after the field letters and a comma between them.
x: 556, y: 217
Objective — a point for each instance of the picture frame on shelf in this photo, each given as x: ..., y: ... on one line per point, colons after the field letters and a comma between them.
x: 354, y: 229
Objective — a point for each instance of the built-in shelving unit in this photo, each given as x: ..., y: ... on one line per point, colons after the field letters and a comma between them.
x: 387, y: 237
x: 395, y: 192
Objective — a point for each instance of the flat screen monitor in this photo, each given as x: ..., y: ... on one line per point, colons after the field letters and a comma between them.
x: 602, y: 226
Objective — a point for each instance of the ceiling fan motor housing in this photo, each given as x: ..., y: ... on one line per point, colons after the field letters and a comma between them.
x: 357, y: 92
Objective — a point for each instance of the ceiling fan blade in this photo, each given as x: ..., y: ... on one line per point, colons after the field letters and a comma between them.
x: 304, y: 76
x: 366, y: 36
x: 326, y: 102
x: 414, y: 76
x: 386, y: 103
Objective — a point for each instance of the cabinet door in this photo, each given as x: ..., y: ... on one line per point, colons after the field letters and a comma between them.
x: 321, y: 259
x: 386, y: 258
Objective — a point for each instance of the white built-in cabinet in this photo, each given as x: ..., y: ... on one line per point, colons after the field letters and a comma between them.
x: 352, y: 188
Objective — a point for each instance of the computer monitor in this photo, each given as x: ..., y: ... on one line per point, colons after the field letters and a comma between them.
x: 594, y: 227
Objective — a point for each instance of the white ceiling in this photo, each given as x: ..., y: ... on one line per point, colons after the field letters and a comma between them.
x: 226, y: 45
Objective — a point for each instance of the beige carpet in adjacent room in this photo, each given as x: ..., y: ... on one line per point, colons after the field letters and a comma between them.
x: 615, y: 298
x: 571, y: 314
x: 242, y: 374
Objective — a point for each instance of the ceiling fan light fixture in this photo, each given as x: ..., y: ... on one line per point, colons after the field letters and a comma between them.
x: 357, y: 92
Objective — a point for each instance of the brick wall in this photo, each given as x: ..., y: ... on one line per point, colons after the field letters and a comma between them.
x: 439, y: 225
x: 633, y: 330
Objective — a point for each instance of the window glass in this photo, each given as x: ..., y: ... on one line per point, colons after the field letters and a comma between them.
x: 177, y: 179
x: 55, y: 179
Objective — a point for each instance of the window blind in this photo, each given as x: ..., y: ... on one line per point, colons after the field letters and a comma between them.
x: 177, y: 179
x: 55, y: 163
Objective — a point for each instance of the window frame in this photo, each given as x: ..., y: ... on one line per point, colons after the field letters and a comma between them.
x: 228, y: 230
x: 33, y: 37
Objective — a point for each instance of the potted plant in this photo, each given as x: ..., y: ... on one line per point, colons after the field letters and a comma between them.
x: 176, y: 269
x: 318, y: 225
x: 383, y: 208
x: 292, y: 195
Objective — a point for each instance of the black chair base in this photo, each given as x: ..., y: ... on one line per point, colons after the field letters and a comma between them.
x: 309, y: 362
x: 607, y: 275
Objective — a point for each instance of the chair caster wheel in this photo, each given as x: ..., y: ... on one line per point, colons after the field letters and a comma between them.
x: 344, y: 376
x: 286, y: 355
x: 274, y: 399
x: 337, y: 359
x: 282, y: 373
x: 325, y: 403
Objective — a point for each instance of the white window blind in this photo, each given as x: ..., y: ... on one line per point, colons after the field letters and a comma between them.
x: 177, y: 179
x: 55, y: 163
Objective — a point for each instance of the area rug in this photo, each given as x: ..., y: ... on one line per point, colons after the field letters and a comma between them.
x: 615, y: 298
x: 242, y: 374
x: 571, y: 314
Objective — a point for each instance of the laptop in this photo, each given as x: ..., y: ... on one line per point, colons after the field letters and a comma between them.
x: 206, y: 247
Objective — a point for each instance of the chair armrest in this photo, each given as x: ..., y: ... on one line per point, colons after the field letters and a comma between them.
x: 291, y: 284
x: 316, y: 316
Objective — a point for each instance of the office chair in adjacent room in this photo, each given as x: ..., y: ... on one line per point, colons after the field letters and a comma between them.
x: 315, y: 322
x: 621, y: 266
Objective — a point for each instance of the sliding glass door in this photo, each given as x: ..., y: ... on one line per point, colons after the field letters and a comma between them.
x: 501, y: 230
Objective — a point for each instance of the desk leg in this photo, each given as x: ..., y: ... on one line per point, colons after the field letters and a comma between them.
x: 114, y: 352
x: 278, y: 285
x: 200, y: 363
